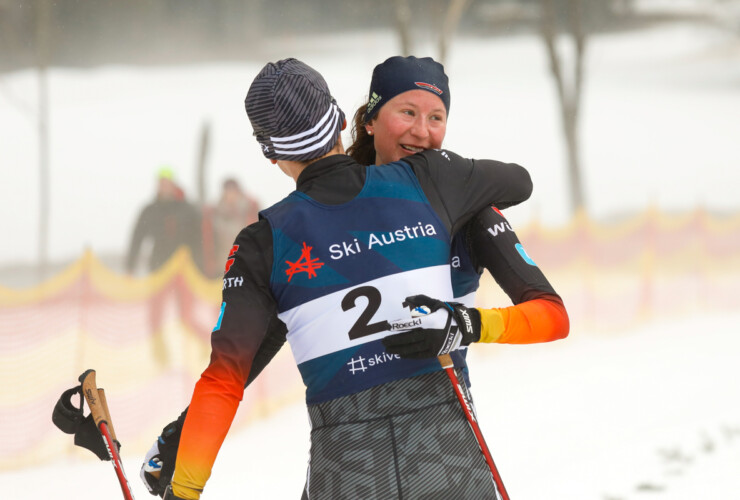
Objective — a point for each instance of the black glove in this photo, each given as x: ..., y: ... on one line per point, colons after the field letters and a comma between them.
x: 434, y: 328
x: 159, y: 462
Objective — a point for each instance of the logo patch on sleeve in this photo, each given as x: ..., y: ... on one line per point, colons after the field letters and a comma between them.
x: 523, y: 253
x: 230, y: 262
x: 220, y: 317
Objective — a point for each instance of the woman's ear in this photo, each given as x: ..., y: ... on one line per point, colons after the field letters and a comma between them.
x: 274, y: 162
x: 344, y: 124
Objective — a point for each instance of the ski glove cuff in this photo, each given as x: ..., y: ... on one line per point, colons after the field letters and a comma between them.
x: 434, y: 328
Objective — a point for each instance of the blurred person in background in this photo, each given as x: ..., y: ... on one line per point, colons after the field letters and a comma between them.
x: 165, y: 224
x: 234, y: 210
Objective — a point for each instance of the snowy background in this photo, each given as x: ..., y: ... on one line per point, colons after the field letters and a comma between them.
x: 660, y: 126
x: 649, y: 413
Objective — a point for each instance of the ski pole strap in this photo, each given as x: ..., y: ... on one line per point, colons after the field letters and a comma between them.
x: 71, y: 420
x: 66, y: 416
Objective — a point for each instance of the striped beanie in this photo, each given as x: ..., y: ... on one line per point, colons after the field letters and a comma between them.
x: 292, y: 112
x: 397, y: 75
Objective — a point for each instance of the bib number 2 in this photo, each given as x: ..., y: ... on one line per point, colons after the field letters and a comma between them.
x: 363, y: 327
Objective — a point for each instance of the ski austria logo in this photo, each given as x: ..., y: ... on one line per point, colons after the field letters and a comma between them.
x: 523, y: 253
x: 429, y: 86
x: 305, y: 264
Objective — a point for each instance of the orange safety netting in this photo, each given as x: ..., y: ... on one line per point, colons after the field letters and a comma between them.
x: 148, y: 338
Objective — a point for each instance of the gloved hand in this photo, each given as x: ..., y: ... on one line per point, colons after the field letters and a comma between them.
x: 159, y: 462
x: 434, y: 328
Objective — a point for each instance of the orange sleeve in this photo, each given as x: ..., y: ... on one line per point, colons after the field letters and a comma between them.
x: 215, y: 400
x: 539, y: 320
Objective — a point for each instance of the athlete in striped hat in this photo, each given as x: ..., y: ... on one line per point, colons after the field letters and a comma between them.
x: 329, y: 269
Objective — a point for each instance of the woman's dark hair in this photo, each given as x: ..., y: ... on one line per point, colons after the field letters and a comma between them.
x: 362, y: 148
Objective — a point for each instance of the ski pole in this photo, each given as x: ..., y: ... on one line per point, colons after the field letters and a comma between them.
x: 446, y: 361
x: 99, y: 408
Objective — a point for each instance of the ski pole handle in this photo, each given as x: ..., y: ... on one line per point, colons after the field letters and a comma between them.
x: 99, y: 409
x: 446, y: 361
x: 90, y: 392
x: 106, y: 411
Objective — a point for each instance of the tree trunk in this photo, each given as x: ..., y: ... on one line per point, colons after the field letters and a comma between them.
x: 202, y: 162
x: 43, y: 15
x: 403, y: 25
x: 455, y: 10
x: 569, y: 90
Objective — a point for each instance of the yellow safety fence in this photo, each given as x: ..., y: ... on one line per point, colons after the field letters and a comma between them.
x: 148, y: 338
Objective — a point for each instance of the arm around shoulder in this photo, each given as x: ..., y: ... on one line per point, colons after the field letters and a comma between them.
x: 538, y: 313
x: 513, y: 183
x: 538, y: 320
x: 462, y: 187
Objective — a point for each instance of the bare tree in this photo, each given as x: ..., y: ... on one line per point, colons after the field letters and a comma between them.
x: 403, y: 25
x: 568, y: 82
x: 450, y: 21
x: 43, y: 23
x: 455, y: 11
x: 201, y: 162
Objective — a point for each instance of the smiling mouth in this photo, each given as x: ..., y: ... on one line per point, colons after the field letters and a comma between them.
x: 412, y: 149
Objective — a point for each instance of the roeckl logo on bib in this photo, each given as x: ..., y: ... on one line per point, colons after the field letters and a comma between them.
x: 305, y: 264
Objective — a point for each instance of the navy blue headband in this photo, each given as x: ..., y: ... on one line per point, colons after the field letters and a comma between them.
x: 399, y: 74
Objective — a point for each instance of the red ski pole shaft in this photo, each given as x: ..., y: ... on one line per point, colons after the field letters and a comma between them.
x: 99, y: 408
x: 116, y: 459
x: 446, y: 361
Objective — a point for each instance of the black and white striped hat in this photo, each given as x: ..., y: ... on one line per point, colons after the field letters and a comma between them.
x: 292, y: 112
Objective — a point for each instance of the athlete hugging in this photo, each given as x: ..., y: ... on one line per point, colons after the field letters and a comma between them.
x: 395, y: 228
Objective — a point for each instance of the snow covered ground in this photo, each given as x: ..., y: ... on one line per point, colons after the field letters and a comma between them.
x: 652, y: 413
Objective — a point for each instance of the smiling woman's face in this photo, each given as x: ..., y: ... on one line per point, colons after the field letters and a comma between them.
x: 409, y: 123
